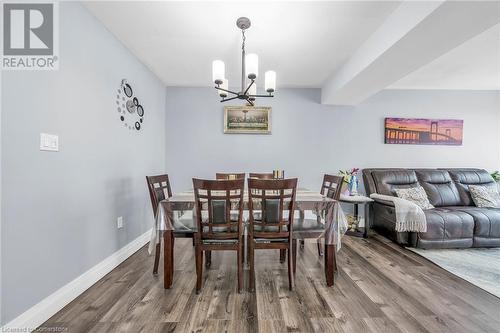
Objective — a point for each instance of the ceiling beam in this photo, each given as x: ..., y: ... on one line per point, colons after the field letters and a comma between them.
x: 412, y: 36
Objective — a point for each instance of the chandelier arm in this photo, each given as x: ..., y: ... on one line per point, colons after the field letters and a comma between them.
x: 229, y: 91
x: 228, y: 99
x: 260, y: 95
x: 251, y: 83
x: 250, y: 102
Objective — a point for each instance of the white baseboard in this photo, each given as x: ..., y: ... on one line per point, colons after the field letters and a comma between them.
x: 42, y: 311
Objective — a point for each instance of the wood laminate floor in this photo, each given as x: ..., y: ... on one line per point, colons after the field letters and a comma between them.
x: 380, y: 287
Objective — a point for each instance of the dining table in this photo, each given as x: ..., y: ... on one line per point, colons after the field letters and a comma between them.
x: 326, y: 210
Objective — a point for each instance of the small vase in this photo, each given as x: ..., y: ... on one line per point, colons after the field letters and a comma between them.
x: 353, y: 185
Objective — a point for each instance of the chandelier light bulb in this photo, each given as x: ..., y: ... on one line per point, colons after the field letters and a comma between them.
x: 270, y: 81
x: 252, y: 66
x: 218, y: 71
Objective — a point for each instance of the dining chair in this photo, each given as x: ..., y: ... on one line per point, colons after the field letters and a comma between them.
x: 271, y: 205
x: 159, y: 189
x: 229, y: 176
x: 268, y: 175
x: 219, y: 229
x: 261, y: 175
x: 313, y: 227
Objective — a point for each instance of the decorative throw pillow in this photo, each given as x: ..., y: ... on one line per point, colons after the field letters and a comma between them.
x: 485, y: 196
x: 416, y: 195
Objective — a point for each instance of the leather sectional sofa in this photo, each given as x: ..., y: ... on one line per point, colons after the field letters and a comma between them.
x: 455, y: 222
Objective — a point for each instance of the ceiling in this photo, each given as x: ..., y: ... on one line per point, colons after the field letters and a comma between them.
x: 474, y: 65
x: 304, y: 42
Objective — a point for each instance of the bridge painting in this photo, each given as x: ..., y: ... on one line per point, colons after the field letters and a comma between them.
x: 423, y: 131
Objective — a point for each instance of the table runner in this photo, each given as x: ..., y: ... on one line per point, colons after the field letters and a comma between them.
x: 328, y: 211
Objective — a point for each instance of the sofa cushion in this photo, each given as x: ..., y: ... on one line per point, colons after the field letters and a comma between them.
x: 465, y: 177
x: 440, y: 188
x: 486, y: 224
x: 448, y: 224
x: 386, y: 181
x: 485, y: 196
x: 416, y: 195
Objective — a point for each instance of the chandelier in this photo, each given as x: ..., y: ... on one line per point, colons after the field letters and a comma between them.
x: 249, y: 69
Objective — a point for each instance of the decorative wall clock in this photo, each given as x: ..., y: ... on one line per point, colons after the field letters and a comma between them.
x: 130, y: 110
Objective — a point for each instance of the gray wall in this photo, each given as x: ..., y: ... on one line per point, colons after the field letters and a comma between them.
x: 59, y: 209
x: 310, y: 139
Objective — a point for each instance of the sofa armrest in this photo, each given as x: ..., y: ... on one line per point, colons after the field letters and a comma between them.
x: 384, y: 202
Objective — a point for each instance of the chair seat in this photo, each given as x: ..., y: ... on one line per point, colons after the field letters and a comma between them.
x: 219, y: 241
x: 271, y: 240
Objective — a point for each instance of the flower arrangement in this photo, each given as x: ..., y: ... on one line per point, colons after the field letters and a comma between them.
x: 348, y: 174
x: 351, y: 179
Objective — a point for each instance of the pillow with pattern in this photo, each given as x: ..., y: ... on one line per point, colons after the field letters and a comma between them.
x: 416, y: 195
x: 485, y: 196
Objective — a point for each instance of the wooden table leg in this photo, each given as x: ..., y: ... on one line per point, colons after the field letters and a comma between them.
x: 329, y: 264
x: 168, y: 256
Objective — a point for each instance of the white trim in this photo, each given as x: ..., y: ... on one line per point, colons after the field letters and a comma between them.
x: 42, y: 311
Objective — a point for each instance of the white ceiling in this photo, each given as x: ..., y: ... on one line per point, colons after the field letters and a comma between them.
x: 474, y: 65
x: 304, y: 42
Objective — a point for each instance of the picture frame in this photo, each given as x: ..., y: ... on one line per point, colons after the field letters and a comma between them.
x: 247, y: 119
x: 423, y: 131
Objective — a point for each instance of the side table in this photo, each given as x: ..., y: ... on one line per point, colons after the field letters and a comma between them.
x: 357, y: 200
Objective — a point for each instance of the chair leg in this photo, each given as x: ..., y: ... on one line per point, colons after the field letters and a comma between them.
x: 199, y: 267
x: 282, y: 256
x: 329, y: 264
x: 240, y: 266
x: 244, y: 248
x: 208, y: 259
x: 290, y: 267
x: 302, y: 243
x: 294, y: 255
x: 320, y: 247
x: 157, y: 258
x: 251, y: 252
x: 334, y: 259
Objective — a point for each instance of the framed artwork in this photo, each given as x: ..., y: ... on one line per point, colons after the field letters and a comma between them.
x: 247, y: 119
x: 410, y: 131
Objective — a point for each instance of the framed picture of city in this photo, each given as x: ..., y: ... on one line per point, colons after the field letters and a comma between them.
x: 411, y: 131
x: 247, y: 119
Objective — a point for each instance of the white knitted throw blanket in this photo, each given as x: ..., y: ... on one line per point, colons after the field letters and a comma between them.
x: 409, y: 216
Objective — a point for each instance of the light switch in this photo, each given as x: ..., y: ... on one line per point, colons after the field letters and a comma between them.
x: 49, y: 142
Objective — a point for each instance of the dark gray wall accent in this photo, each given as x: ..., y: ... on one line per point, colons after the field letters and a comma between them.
x: 309, y: 139
x: 59, y: 209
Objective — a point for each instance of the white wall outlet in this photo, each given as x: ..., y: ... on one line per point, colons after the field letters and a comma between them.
x: 119, y: 222
x: 49, y: 142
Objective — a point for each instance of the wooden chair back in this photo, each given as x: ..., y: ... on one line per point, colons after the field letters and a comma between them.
x: 159, y: 189
x: 229, y: 176
x: 261, y: 175
x: 331, y: 186
x: 214, y: 201
x: 274, y: 200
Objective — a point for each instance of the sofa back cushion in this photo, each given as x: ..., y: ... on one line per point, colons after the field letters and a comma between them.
x: 440, y: 188
x: 387, y: 181
x: 465, y: 177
